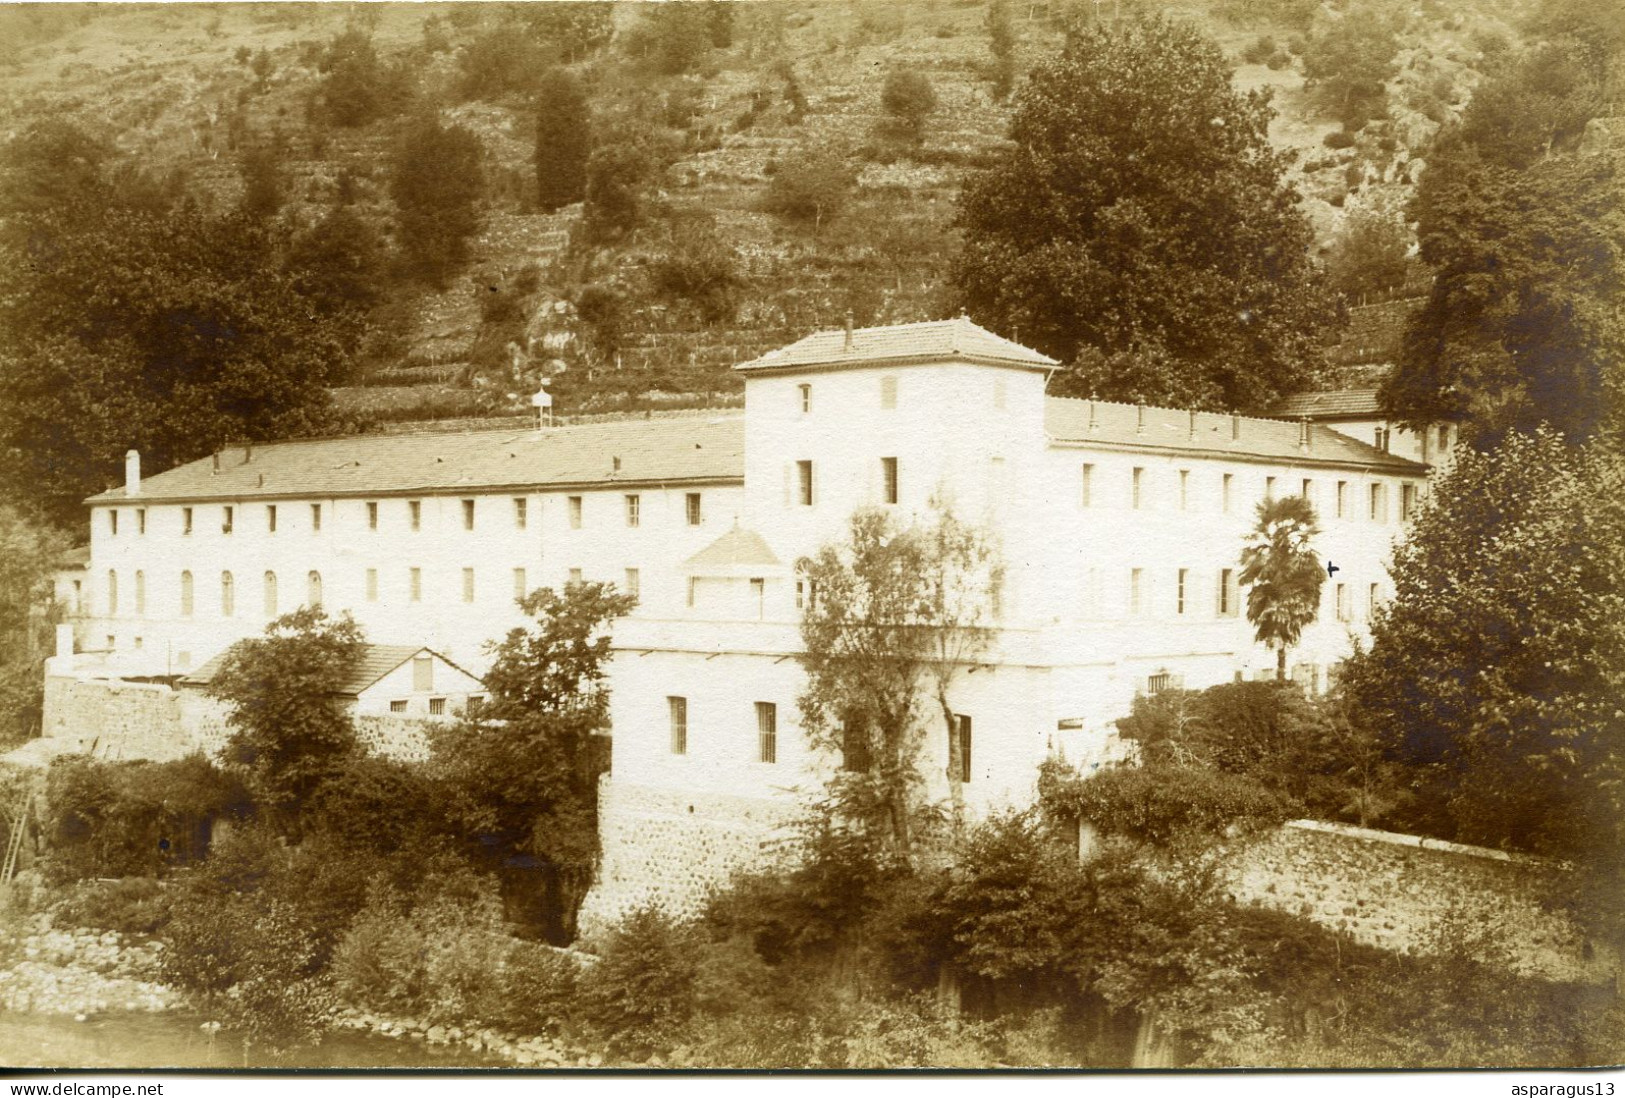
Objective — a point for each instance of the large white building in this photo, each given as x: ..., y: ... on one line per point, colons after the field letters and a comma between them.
x: 1120, y: 529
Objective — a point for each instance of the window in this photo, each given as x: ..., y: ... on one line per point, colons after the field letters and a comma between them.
x: 1135, y: 588
x: 1137, y: 488
x: 372, y: 585
x: 112, y: 642
x: 270, y: 594
x: 1228, y: 595
x: 468, y: 514
x: 758, y: 596
x: 315, y: 518
x: 372, y: 515
x: 270, y: 518
x: 575, y: 512
x: 801, y: 594
x: 677, y: 713
x: 961, y: 741
x: 415, y: 512
x: 138, y: 643
x: 1342, y: 499
x: 804, y: 394
x: 398, y: 706
x: 634, y: 583
x: 1269, y: 487
x: 468, y: 585
x: 888, y: 392
x: 1444, y: 437
x: 474, y: 704
x: 186, y: 594
x: 804, y: 483
x: 141, y: 520
x: 634, y: 510
x: 575, y: 575
x: 1343, y: 609
x: 112, y: 523
x: 520, y: 508
x: 1407, y: 501
x: 1308, y: 492
x: 186, y: 520
x: 693, y: 589
x: 1179, y: 590
x: 415, y: 585
x: 767, y: 732
x: 228, y: 517
x: 1156, y: 684
x: 1379, y: 504
x: 691, y: 504
x: 1225, y: 486
x: 1184, y: 489
x: 78, y: 596
x: 1371, y: 599
x: 854, y: 747
x: 313, y: 589
x: 437, y: 707
x: 520, y: 587
x: 1086, y: 498
x: 422, y: 674
x: 112, y: 595
x: 1382, y: 439
x: 888, y: 480
x: 140, y: 593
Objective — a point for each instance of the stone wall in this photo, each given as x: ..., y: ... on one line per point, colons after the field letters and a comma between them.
x: 673, y: 849
x: 1400, y: 892
x: 118, y: 720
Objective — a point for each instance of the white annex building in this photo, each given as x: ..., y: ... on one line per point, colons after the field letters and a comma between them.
x: 1120, y: 528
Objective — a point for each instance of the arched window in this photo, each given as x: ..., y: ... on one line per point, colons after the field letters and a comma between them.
x: 313, y: 593
x: 112, y: 594
x: 140, y: 593
x: 270, y: 594
x: 228, y: 595
x: 186, y: 594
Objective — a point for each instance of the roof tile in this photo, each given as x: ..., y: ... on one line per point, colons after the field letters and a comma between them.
x: 932, y: 340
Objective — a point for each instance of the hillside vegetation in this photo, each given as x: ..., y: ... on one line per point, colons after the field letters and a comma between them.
x: 772, y: 181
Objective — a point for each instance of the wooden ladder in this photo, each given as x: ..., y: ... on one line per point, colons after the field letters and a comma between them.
x: 17, y: 824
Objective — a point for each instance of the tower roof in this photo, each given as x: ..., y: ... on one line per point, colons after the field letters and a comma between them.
x: 957, y: 340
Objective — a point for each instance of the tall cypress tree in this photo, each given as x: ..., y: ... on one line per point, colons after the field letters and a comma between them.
x: 563, y: 140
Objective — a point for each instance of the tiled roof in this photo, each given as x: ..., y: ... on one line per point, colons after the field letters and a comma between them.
x: 1329, y: 404
x: 73, y: 558
x: 1171, y: 428
x: 928, y: 341
x: 678, y: 449
x: 737, y: 550
x: 377, y: 660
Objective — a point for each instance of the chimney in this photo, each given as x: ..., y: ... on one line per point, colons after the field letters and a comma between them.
x: 847, y: 346
x: 1303, y: 435
x: 1235, y: 428
x: 1139, y: 427
x: 132, y: 472
x: 1094, y: 422
x: 615, y: 462
x: 1193, y: 424
x: 248, y: 452
x: 217, y: 463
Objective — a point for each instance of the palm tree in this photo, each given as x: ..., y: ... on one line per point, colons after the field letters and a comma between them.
x: 1283, y: 574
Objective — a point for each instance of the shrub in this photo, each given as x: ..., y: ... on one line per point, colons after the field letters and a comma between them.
x: 700, y: 269
x: 134, y: 905
x: 642, y: 994
x: 1338, y: 139
x: 811, y: 187
x: 1164, y: 805
x: 908, y: 99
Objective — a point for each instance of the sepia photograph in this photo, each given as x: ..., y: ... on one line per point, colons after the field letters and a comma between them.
x: 671, y: 536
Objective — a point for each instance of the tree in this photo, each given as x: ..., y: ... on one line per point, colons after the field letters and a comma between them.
x: 908, y: 98
x: 263, y: 182
x: 1518, y: 221
x: 338, y: 264
x: 1349, y: 64
x: 676, y: 38
x: 356, y: 87
x: 563, y: 140
x: 1282, y: 574
x: 613, y: 198
x: 171, y: 332
x: 1495, y: 672
x: 699, y: 268
x: 812, y: 186
x: 1001, y: 43
x: 436, y: 186
x: 1144, y: 223
x: 28, y: 552
x: 523, y: 773
x: 290, y: 731
x: 896, y: 616
x: 1371, y: 253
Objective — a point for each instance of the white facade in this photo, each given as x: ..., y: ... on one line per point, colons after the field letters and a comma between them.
x: 1120, y: 529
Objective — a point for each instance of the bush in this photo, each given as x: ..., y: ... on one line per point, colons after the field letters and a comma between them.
x: 135, y: 905
x: 1338, y: 139
x: 642, y: 994
x: 811, y: 187
x: 1164, y: 805
x: 701, y: 269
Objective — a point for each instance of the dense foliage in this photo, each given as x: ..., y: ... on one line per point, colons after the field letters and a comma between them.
x: 563, y: 140
x: 436, y: 186
x: 28, y: 557
x: 1282, y: 573
x: 1140, y: 230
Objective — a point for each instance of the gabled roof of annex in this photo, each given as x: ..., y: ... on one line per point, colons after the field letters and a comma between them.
x: 377, y: 660
x: 679, y: 450
x: 956, y: 340
x: 1330, y: 404
x: 1212, y: 434
x: 738, y: 549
